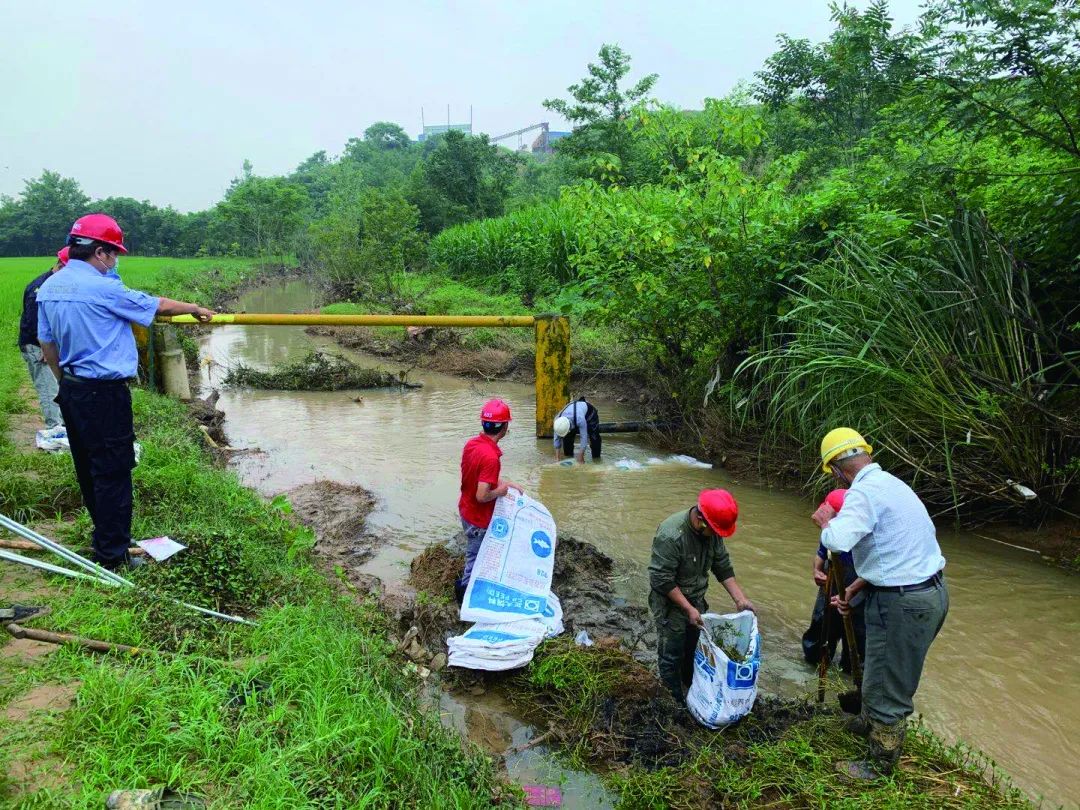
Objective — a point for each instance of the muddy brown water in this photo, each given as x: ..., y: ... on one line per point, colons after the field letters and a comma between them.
x: 1003, y: 676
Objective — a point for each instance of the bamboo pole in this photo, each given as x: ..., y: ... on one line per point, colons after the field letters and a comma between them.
x: 18, y: 631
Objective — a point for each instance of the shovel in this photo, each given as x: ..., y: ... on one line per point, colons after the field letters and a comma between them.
x: 850, y: 701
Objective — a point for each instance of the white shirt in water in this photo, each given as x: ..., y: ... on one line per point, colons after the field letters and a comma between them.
x: 887, y: 530
x: 575, y: 412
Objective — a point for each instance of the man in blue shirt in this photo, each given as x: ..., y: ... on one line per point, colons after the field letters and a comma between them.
x: 40, y: 374
x: 84, y: 328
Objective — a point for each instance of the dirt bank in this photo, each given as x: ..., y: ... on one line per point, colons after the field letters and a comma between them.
x: 337, y: 514
x: 442, y: 350
x: 435, y: 349
x: 582, y: 581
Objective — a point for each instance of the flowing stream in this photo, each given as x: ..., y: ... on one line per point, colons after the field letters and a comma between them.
x: 1003, y: 676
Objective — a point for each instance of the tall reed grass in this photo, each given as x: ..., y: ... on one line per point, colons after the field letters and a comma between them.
x: 942, y: 362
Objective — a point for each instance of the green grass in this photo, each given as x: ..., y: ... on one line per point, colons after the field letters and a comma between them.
x: 781, y: 755
x: 318, y: 713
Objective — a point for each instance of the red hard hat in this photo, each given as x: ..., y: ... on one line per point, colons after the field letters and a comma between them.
x: 62, y: 255
x: 100, y: 227
x: 719, y: 509
x: 835, y: 499
x: 495, y: 410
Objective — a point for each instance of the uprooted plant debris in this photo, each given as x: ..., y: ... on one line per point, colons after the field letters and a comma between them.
x: 725, y: 637
x: 317, y: 371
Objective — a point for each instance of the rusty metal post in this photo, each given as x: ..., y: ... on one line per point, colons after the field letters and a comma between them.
x: 552, y: 370
x: 144, y: 343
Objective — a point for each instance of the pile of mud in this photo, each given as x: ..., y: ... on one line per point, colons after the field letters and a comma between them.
x: 337, y: 514
x: 205, y: 412
x: 582, y: 581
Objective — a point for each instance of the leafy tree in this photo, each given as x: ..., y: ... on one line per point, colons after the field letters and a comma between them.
x: 148, y: 230
x: 838, y: 87
x: 463, y: 178
x: 386, y: 135
x: 365, y: 241
x: 268, y: 213
x: 1008, y: 68
x: 599, y: 107
x: 39, y: 221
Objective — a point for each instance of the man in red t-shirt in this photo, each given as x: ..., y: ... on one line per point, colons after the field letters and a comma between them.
x: 481, y: 485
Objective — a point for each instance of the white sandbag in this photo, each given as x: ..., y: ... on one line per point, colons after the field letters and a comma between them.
x: 53, y: 440
x: 552, y: 615
x: 467, y: 661
x: 496, y: 647
x: 511, y: 578
x: 724, y: 690
x: 690, y: 461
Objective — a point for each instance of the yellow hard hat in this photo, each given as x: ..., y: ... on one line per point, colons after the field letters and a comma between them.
x: 838, y: 441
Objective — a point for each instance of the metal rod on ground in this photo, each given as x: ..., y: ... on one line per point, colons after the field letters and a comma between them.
x: 26, y: 545
x: 823, y: 661
x: 102, y: 574
x: 11, y: 556
x: 61, y: 551
x: 18, y: 631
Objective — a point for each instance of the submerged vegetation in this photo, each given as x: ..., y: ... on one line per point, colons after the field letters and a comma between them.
x: 316, y: 371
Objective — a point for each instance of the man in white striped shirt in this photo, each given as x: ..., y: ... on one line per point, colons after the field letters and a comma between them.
x: 894, y: 546
x: 579, y: 419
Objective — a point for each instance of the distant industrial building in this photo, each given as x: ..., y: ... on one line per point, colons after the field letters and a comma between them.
x: 541, y: 145
x: 442, y: 129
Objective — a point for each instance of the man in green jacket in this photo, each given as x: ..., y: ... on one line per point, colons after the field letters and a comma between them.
x: 687, y: 547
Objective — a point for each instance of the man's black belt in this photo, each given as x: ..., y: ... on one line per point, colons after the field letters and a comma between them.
x: 75, y: 378
x: 925, y: 585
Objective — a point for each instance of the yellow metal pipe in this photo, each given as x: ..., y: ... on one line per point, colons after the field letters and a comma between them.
x: 267, y: 319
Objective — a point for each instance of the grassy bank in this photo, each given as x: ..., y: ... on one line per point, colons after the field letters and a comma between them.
x: 308, y: 709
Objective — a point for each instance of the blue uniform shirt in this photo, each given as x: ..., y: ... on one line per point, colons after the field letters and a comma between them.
x: 88, y: 315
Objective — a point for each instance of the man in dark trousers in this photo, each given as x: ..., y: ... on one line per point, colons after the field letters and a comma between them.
x: 849, y: 590
x: 40, y: 374
x: 689, y: 546
x: 894, y: 544
x: 579, y: 419
x: 84, y: 328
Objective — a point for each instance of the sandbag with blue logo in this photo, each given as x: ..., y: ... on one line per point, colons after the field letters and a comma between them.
x: 511, y: 579
x: 725, y: 687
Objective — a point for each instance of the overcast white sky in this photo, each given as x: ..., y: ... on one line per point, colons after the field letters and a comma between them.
x: 164, y: 100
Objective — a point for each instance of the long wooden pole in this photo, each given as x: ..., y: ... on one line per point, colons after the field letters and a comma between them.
x: 824, y: 659
x: 849, y: 629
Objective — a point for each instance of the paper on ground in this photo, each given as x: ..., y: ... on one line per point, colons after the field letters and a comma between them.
x: 160, y: 548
